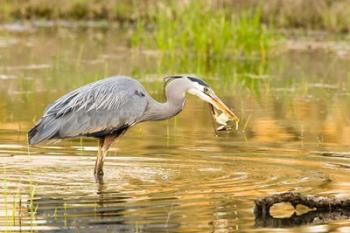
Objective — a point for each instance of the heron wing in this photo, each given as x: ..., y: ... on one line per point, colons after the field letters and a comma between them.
x: 98, y: 108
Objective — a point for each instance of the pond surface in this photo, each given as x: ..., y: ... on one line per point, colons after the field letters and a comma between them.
x: 176, y: 175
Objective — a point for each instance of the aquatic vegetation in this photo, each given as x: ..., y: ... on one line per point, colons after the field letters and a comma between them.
x: 198, y: 39
x: 17, y: 207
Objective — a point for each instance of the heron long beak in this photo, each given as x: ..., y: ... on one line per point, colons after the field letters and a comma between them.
x: 218, y: 104
x: 212, y: 99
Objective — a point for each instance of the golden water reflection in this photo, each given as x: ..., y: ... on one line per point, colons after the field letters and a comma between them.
x: 176, y: 175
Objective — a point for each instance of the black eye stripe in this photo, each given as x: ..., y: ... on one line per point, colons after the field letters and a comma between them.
x: 193, y: 79
x: 168, y: 79
x: 201, y: 82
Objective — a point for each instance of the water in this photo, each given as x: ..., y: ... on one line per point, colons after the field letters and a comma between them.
x: 175, y: 175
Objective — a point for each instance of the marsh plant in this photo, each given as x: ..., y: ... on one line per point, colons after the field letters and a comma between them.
x: 200, y: 39
x: 17, y: 207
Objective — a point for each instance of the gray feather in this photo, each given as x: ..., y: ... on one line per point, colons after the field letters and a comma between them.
x: 102, y: 106
x: 108, y: 107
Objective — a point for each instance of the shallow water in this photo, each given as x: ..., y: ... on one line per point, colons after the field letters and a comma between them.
x: 177, y: 175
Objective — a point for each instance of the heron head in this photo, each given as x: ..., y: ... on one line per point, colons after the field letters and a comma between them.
x: 199, y: 88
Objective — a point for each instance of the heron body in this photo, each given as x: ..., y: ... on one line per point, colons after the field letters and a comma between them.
x: 107, y: 108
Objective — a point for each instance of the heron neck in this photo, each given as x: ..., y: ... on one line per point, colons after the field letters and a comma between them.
x: 173, y: 105
x: 161, y: 111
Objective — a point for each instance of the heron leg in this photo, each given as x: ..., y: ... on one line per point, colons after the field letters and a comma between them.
x: 99, y: 159
x: 104, y: 145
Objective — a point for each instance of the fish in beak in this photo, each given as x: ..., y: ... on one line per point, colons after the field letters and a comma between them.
x: 221, y: 113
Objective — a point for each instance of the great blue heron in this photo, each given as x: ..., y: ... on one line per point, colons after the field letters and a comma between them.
x: 107, y: 108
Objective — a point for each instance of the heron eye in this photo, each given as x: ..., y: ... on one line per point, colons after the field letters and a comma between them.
x: 206, y: 90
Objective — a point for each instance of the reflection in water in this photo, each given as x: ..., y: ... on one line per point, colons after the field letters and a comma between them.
x: 225, y: 216
x: 108, y: 211
x: 311, y: 217
x: 175, y: 192
x: 176, y: 175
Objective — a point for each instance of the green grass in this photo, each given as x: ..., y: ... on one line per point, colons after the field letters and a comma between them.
x: 200, y: 40
x: 12, y: 206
